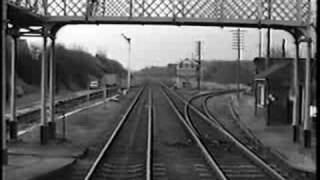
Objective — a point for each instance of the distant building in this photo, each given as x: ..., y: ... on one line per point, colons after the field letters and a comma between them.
x: 186, y: 73
x: 172, y: 69
x: 274, y: 89
x: 110, y: 79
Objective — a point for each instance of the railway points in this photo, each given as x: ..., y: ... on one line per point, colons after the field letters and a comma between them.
x: 276, y: 138
x: 157, y: 137
x: 216, y: 106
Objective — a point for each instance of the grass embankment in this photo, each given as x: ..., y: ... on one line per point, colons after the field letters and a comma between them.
x: 74, y: 67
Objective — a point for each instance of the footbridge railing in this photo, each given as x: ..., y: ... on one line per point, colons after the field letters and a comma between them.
x: 291, y: 12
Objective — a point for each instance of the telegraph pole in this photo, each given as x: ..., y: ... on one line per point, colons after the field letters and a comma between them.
x: 238, y: 44
x: 199, y: 63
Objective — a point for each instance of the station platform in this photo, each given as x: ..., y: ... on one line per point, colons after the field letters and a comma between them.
x: 32, y: 103
x: 276, y: 137
x: 28, y: 159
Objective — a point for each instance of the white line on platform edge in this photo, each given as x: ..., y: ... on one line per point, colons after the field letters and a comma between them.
x: 22, y: 132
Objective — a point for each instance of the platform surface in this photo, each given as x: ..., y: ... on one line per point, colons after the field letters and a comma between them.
x: 28, y: 159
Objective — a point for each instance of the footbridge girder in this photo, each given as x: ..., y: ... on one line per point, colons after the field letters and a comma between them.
x: 277, y: 14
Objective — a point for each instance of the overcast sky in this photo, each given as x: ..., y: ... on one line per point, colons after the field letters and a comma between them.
x: 160, y: 45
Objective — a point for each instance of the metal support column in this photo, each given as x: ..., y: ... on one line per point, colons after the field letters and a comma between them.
x: 3, y: 88
x: 44, y: 124
x: 296, y: 90
x: 307, y: 123
x: 52, y: 82
x: 13, y: 119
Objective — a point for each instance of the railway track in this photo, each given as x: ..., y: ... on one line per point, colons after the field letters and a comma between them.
x: 150, y: 142
x: 124, y: 156
x: 163, y: 140
x: 234, y: 159
x: 273, y: 159
x: 177, y: 153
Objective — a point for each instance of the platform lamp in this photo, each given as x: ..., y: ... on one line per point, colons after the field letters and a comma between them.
x: 129, y: 59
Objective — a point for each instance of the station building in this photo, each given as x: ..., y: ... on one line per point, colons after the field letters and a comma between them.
x: 186, y: 73
x: 273, y: 89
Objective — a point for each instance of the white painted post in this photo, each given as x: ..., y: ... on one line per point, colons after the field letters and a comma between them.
x: 43, y: 123
x: 13, y: 119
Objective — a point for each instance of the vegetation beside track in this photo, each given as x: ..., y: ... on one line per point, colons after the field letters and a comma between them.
x: 74, y: 68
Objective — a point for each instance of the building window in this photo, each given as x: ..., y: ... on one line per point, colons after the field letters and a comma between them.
x: 260, y: 94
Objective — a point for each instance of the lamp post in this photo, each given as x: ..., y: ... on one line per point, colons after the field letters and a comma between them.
x: 129, y: 59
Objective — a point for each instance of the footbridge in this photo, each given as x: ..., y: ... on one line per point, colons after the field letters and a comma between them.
x: 281, y: 14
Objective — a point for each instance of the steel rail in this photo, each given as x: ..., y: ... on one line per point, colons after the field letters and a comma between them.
x: 243, y: 147
x: 206, y: 111
x: 114, y: 133
x: 211, y: 116
x: 186, y: 107
x: 202, y: 147
x: 150, y: 131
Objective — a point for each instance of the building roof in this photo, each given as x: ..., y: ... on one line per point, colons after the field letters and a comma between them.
x: 187, y: 60
x: 281, y: 70
x: 273, y: 69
